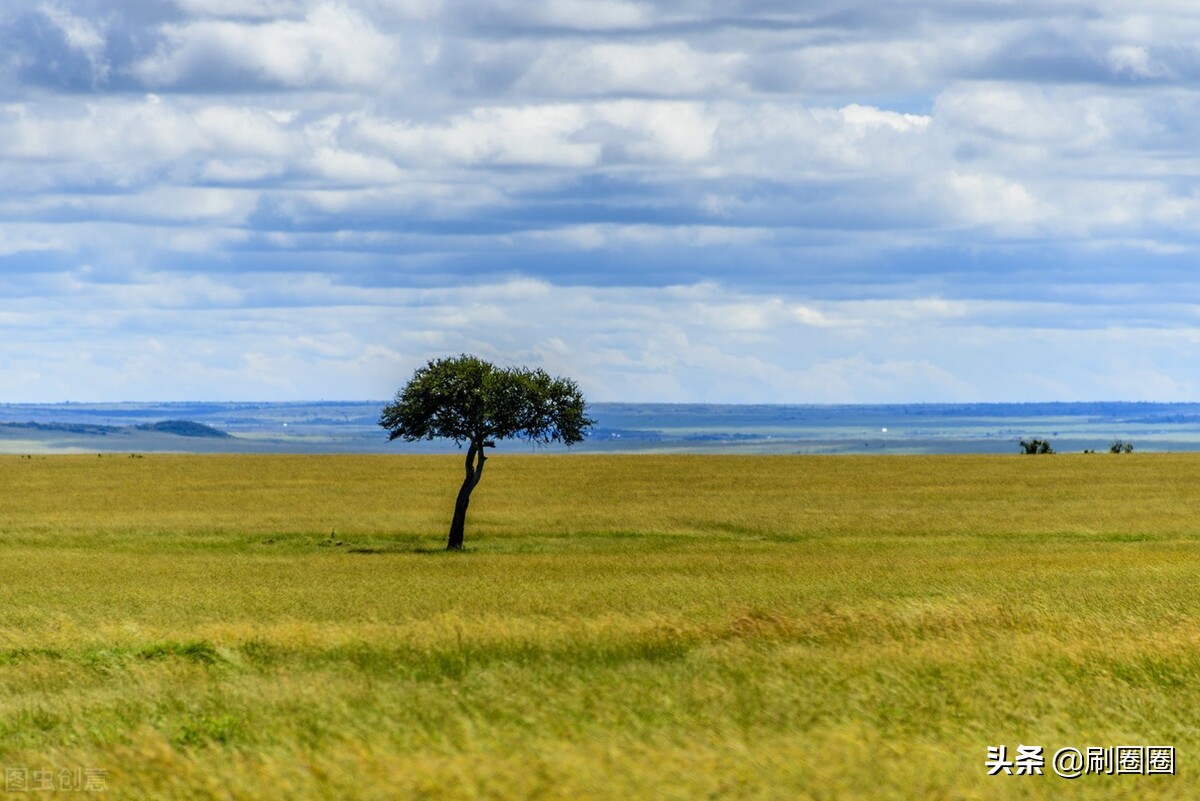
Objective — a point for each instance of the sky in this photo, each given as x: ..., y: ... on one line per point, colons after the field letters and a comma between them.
x: 739, y: 201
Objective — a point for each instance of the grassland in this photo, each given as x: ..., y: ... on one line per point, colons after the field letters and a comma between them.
x: 620, y: 627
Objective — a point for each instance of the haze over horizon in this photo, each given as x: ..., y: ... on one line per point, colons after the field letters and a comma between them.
x: 675, y: 201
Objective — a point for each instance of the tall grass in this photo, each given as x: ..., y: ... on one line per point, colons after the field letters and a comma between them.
x: 619, y: 627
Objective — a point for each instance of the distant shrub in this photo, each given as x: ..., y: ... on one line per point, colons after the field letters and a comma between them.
x: 1036, y: 445
x: 1119, y: 446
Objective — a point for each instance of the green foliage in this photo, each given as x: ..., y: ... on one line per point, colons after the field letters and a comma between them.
x: 466, y: 399
x: 1036, y: 445
x: 1120, y: 446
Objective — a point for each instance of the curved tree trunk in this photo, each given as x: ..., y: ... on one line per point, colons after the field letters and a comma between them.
x: 474, y: 469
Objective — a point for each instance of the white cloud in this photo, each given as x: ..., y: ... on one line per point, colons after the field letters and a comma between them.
x: 995, y: 201
x: 662, y: 131
x: 772, y: 139
x: 879, y: 63
x: 132, y: 133
x: 1137, y: 62
x: 246, y: 131
x: 661, y: 68
x: 83, y: 35
x: 342, y: 166
x: 203, y: 205
x: 700, y: 342
x: 332, y: 46
x: 261, y: 9
x: 1054, y: 120
x: 528, y: 135
x: 587, y: 15
x: 28, y: 238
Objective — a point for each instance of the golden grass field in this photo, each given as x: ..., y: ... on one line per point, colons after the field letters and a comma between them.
x: 619, y: 626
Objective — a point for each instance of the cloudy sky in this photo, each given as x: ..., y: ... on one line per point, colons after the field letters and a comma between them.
x: 669, y: 200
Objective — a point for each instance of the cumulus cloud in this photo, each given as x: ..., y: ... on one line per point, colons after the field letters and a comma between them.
x: 331, y: 47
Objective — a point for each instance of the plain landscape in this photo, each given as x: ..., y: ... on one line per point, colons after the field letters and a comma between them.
x: 757, y: 312
x: 353, y: 427
x: 675, y: 626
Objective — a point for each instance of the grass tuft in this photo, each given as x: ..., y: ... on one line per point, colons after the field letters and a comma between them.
x: 196, y: 651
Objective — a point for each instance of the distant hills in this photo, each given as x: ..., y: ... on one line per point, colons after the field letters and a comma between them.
x: 353, y: 427
x: 179, y: 428
x: 184, y: 428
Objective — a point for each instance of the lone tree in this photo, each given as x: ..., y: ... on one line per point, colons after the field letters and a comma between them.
x: 472, y: 401
x: 1036, y: 445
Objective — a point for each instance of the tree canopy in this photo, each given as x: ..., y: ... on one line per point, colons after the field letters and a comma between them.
x: 474, y: 402
x: 467, y: 399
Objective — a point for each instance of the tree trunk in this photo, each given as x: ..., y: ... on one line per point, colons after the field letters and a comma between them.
x: 474, y: 469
